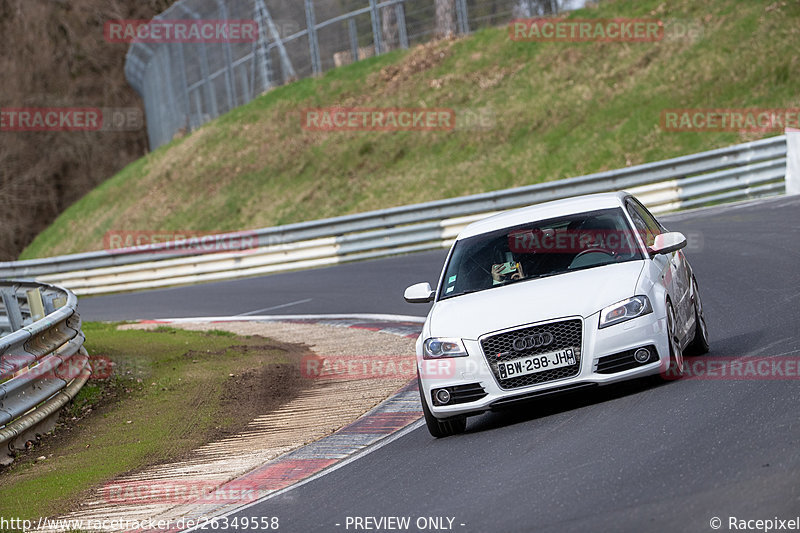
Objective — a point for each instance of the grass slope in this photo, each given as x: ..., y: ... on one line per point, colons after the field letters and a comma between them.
x: 171, y: 391
x: 560, y: 110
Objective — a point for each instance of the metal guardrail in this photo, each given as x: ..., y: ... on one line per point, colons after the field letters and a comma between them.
x: 749, y: 170
x: 42, y: 360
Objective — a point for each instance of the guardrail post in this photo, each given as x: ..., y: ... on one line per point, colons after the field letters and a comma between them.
x: 35, y: 304
x: 49, y: 306
x: 11, y: 304
x: 792, y: 161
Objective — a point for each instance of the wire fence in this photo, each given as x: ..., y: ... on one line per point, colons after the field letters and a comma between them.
x: 185, y: 84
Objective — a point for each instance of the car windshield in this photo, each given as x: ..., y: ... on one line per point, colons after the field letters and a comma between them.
x: 539, y: 249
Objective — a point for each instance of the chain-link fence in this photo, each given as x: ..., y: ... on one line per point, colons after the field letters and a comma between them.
x: 185, y: 84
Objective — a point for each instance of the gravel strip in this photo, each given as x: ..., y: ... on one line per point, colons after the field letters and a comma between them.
x: 326, y: 406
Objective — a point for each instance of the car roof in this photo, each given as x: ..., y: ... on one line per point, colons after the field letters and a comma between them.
x: 543, y: 211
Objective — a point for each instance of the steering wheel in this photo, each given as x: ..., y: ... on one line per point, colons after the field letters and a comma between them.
x: 592, y: 250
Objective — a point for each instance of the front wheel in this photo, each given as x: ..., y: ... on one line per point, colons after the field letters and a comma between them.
x: 676, y: 366
x: 699, y: 344
x: 441, y: 428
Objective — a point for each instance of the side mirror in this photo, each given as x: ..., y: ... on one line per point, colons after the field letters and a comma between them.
x: 667, y: 243
x: 421, y: 293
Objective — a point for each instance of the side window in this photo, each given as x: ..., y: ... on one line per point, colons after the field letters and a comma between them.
x: 645, y: 223
x: 649, y: 219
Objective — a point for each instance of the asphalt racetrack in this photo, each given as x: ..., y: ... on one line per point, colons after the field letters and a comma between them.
x: 635, y: 457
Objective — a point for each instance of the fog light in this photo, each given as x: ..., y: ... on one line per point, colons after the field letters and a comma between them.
x: 641, y: 355
x: 442, y: 396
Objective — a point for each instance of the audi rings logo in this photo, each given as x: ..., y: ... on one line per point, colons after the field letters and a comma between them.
x: 532, y: 341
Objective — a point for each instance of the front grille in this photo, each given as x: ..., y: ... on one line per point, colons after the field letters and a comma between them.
x: 565, y: 334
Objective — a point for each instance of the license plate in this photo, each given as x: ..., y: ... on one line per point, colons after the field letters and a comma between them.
x: 536, y: 363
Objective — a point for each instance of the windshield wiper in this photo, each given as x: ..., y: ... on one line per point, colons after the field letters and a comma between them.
x: 468, y: 291
x: 528, y: 278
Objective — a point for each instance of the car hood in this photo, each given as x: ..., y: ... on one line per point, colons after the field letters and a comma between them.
x: 582, y: 293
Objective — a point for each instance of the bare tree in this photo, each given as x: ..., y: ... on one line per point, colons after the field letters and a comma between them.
x: 534, y: 8
x: 391, y: 35
x: 445, y: 19
x: 53, y: 55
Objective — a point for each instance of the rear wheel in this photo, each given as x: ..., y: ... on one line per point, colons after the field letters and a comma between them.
x: 441, y: 427
x: 676, y: 365
x: 699, y: 344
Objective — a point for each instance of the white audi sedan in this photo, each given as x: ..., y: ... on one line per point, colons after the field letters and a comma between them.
x: 555, y: 297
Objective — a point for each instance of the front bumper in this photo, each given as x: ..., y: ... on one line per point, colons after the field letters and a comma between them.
x: 473, y: 372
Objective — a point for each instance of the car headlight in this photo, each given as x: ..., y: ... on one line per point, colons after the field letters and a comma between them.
x: 625, y: 310
x: 436, y: 348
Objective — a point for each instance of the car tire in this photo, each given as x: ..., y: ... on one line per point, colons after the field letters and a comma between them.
x: 676, y: 366
x: 440, y: 428
x: 699, y: 344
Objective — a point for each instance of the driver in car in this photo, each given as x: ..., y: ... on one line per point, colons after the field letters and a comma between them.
x: 503, y: 272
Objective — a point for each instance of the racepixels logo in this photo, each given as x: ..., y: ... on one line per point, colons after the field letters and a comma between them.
x: 71, y: 119
x: 181, y: 31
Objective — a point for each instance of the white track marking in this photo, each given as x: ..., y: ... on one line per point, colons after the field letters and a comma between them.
x: 399, y: 318
x: 380, y: 444
x: 290, y: 304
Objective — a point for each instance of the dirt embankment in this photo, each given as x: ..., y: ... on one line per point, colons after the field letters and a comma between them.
x: 53, y: 54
